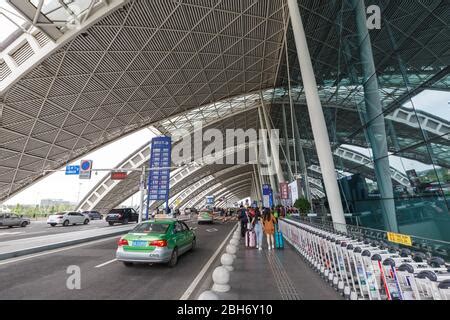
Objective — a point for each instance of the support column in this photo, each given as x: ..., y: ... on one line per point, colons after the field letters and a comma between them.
x: 257, y: 183
x: 301, y: 157
x: 315, y: 111
x: 287, y: 143
x: 141, y: 194
x: 259, y: 174
x: 373, y: 116
x: 273, y: 144
x: 266, y: 153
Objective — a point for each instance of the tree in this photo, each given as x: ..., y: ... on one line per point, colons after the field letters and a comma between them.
x: 303, y: 206
x: 18, y: 209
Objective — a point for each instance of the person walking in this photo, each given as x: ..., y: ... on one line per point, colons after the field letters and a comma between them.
x: 243, y: 217
x: 257, y: 226
x: 269, y: 222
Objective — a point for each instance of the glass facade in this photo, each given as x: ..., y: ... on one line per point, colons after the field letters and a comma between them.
x: 386, y: 99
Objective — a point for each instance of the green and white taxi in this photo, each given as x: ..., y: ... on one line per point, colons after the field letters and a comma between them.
x: 158, y: 241
x: 205, y: 216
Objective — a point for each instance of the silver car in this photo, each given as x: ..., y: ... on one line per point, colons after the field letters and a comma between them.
x: 67, y: 218
x: 13, y: 220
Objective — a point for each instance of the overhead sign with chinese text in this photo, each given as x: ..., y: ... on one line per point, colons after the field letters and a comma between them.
x: 267, y: 192
x: 119, y: 175
x: 284, y: 190
x: 72, y: 170
x: 160, y: 161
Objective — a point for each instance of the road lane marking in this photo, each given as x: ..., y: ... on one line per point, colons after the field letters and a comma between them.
x: 24, y: 233
x: 205, y: 268
x: 104, y: 264
x: 12, y: 260
x: 10, y: 233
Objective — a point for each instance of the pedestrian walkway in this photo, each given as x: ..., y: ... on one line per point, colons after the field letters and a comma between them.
x: 275, y: 275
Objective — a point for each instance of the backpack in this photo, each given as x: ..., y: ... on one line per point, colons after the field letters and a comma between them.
x: 243, y: 216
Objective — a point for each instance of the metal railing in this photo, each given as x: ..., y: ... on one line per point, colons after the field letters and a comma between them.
x: 430, y: 247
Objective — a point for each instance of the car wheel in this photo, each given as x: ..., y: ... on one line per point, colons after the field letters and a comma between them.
x: 101, y: 217
x: 127, y: 264
x: 53, y: 224
x: 23, y: 224
x: 111, y: 223
x: 66, y: 223
x: 173, y: 259
x: 194, y: 244
x: 10, y: 226
x: 86, y: 221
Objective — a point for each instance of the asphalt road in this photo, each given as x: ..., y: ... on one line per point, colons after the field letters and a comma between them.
x: 44, y: 276
x: 41, y: 228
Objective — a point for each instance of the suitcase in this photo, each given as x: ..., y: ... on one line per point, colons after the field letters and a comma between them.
x: 250, y: 239
x: 279, y: 241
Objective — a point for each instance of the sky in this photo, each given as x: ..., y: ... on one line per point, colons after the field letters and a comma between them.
x: 7, y: 27
x: 432, y: 101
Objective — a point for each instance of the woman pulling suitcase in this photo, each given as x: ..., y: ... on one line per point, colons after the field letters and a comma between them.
x: 269, y: 222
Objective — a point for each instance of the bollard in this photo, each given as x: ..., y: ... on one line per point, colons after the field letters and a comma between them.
x: 227, y: 261
x: 231, y: 250
x: 354, y: 296
x: 221, y: 277
x: 235, y: 243
x: 208, y: 295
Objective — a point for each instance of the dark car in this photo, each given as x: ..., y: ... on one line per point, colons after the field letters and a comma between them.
x: 122, y: 216
x: 93, y: 215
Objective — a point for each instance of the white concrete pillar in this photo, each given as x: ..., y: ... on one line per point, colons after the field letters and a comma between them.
x: 274, y: 145
x: 287, y: 148
x: 317, y: 118
x: 269, y: 162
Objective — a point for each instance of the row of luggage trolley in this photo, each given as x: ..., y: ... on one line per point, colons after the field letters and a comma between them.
x: 363, y: 269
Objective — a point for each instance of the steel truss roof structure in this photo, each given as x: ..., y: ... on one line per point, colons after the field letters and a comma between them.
x: 76, y: 78
x: 140, y: 64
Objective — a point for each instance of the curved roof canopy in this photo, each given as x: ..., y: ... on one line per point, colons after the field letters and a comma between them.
x: 112, y: 67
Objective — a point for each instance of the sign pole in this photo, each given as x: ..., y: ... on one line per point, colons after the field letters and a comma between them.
x: 148, y: 196
x: 141, y: 196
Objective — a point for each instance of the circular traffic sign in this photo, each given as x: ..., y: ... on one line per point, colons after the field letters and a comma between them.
x: 85, y: 165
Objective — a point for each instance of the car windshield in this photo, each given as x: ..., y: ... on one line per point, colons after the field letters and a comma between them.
x: 151, y: 228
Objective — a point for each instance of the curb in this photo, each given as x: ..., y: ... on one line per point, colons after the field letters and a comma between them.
x: 23, y: 252
x: 205, y: 274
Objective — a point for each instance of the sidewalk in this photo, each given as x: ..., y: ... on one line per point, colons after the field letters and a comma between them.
x: 20, y: 247
x: 273, y: 275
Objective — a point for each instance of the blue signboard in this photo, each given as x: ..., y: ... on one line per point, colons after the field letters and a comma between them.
x: 72, y: 170
x: 271, y: 198
x: 85, y: 169
x: 267, y: 190
x: 158, y: 179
